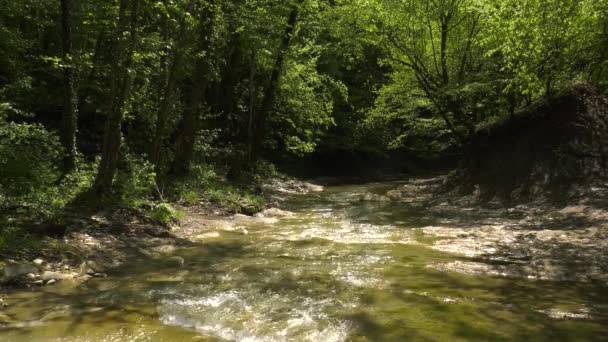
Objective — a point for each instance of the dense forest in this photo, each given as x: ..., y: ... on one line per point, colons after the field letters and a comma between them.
x: 132, y: 98
x: 122, y: 119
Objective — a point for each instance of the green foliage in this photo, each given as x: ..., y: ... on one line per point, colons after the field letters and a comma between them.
x: 233, y: 199
x: 15, y: 240
x: 266, y: 170
x: 134, y: 183
x: 28, y: 158
x: 166, y: 214
x: 355, y: 76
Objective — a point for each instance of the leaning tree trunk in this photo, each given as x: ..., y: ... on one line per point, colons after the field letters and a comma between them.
x: 69, y: 120
x: 259, y: 126
x: 119, y: 91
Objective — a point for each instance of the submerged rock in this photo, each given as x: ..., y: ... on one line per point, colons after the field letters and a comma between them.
x: 275, y: 212
x: 175, y: 261
x: 375, y: 198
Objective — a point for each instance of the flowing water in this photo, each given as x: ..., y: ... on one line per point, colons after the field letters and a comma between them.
x: 340, y: 269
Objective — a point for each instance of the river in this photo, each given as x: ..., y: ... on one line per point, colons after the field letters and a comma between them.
x: 338, y: 269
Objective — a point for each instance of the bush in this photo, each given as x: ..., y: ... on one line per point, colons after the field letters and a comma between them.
x: 134, y: 184
x: 166, y: 214
x: 29, y: 161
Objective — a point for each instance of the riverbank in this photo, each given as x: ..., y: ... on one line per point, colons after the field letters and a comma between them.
x: 95, y: 244
x: 536, y: 240
x: 351, y: 262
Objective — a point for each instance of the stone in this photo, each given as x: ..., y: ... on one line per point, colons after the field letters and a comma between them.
x: 39, y: 282
x: 84, y: 269
x: 31, y: 276
x: 16, y: 270
x: 95, y: 266
x: 175, y: 261
x: 4, y: 319
x: 573, y: 210
x: 48, y: 275
x: 38, y: 262
x: 165, y: 249
x: 275, y: 212
x: 51, y: 282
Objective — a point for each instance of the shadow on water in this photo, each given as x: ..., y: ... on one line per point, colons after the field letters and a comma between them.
x: 128, y: 298
x: 382, y: 291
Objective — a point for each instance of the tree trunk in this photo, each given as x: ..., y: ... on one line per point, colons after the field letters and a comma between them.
x: 250, y: 119
x: 259, y: 127
x: 119, y: 91
x: 186, y: 138
x: 167, y: 87
x: 69, y: 120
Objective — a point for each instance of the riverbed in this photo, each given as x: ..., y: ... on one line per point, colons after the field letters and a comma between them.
x: 350, y: 263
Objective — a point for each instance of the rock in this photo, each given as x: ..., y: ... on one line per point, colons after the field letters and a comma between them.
x: 313, y: 187
x: 95, y: 266
x: 51, y: 282
x: 31, y: 276
x: 275, y: 212
x: 48, y: 275
x: 38, y: 262
x: 206, y: 236
x: 249, y: 209
x: 39, y: 282
x: 375, y: 198
x: 16, y: 270
x: 100, y: 275
x: 166, y: 249
x: 175, y: 261
x: 84, y: 269
x: 573, y: 210
x: 4, y: 319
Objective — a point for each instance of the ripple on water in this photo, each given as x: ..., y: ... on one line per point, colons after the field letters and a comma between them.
x: 249, y: 315
x: 341, y: 231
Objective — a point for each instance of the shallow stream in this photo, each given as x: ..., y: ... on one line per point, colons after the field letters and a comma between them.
x: 339, y: 269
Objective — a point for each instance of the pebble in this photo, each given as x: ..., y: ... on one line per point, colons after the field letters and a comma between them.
x: 38, y: 262
x: 51, y: 282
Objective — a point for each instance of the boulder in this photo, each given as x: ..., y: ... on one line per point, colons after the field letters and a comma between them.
x: 48, y: 275
x: 14, y: 270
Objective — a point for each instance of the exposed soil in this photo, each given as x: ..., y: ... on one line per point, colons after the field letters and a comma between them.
x: 551, y: 149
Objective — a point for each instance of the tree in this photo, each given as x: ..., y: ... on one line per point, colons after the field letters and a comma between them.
x: 70, y: 98
x: 199, y: 80
x: 258, y: 132
x: 124, y: 44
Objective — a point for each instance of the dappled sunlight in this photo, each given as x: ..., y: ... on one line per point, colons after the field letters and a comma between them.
x: 336, y: 267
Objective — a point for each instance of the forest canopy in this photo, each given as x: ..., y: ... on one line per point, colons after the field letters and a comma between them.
x: 128, y: 98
